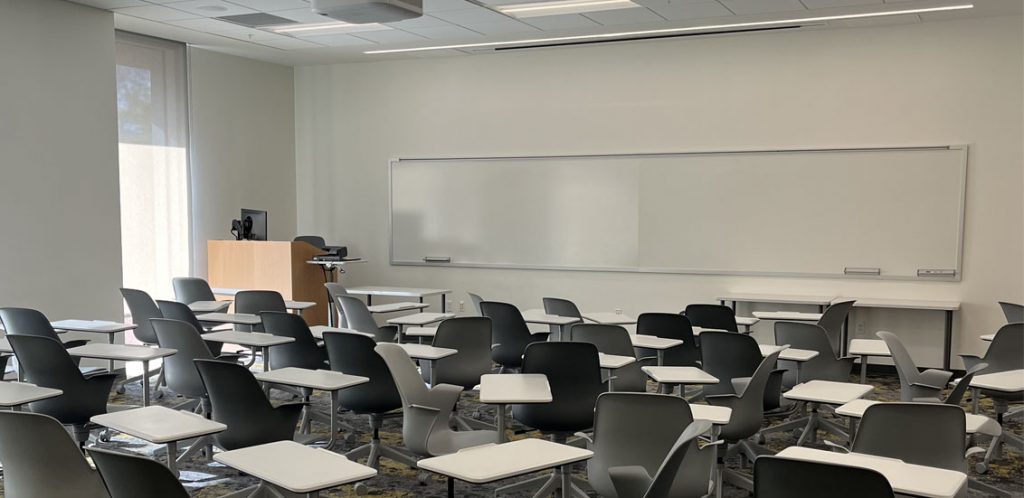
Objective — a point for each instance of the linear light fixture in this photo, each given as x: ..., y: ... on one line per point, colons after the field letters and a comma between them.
x: 534, y: 9
x: 665, y: 31
x: 321, y: 28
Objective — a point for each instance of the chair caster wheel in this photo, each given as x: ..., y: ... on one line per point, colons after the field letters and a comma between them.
x: 797, y: 433
x: 361, y: 489
x: 760, y: 439
x: 104, y: 436
x: 981, y: 468
x: 120, y: 389
x: 423, y: 478
x: 159, y: 395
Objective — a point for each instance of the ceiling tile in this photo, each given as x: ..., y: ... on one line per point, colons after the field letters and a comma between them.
x: 208, y: 25
x: 676, y: 11
x: 286, y: 43
x: 877, y: 21
x: 448, y: 32
x: 562, y: 21
x: 634, y: 15
x: 272, y: 5
x: 468, y: 17
x: 503, y: 28
x: 824, y: 4
x: 111, y: 4
x: 211, y: 8
x: 156, y: 13
x: 431, y: 6
x: 338, y: 40
x: 301, y: 15
x: 743, y: 7
x: 389, y: 36
x: 419, y: 22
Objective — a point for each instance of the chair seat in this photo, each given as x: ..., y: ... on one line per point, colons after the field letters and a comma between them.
x: 455, y: 441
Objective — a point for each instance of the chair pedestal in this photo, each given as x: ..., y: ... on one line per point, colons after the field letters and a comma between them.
x: 810, y: 425
x: 545, y: 485
x: 374, y: 450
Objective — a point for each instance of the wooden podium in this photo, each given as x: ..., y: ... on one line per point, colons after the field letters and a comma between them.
x: 270, y: 265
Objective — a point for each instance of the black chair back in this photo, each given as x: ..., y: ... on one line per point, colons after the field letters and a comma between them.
x: 301, y: 353
x: 776, y: 477
x: 613, y: 339
x: 130, y: 476
x: 712, y: 316
x: 46, y: 363
x: 237, y: 400
x: 27, y: 321
x: 180, y: 371
x: 670, y: 326
x: 255, y: 302
x: 353, y: 354
x: 143, y: 309
x: 509, y: 333
x: 574, y: 374
x: 471, y: 337
x: 191, y: 289
x: 174, y: 310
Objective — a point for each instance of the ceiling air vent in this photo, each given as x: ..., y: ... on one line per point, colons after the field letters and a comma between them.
x: 260, y: 20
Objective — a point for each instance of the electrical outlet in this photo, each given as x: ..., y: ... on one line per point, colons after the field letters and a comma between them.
x: 860, y: 329
x: 448, y: 304
x: 462, y: 306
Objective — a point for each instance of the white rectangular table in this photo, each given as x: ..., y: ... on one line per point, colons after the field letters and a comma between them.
x: 298, y: 306
x: 613, y: 361
x: 294, y: 467
x: 96, y: 327
x: 739, y: 297
x: 371, y: 291
x: 322, y: 380
x: 946, y: 307
x: 232, y: 318
x: 429, y: 354
x: 539, y: 317
x: 659, y: 344
x: 249, y: 340
x: 200, y: 307
x: 746, y: 322
x: 421, y: 331
x: 855, y: 410
x: 787, y: 316
x: 418, y: 320
x: 483, y: 464
x: 318, y: 331
x: 905, y: 478
x: 125, y: 352
x: 817, y: 392
x: 987, y: 337
x: 607, y: 318
x: 681, y: 376
x: 788, y: 353
x: 507, y: 389
x: 866, y: 348
x: 161, y: 425
x: 1010, y: 381
x: 396, y: 307
x: 15, y: 394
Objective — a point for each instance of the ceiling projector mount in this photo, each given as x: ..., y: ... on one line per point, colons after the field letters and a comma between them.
x: 369, y: 11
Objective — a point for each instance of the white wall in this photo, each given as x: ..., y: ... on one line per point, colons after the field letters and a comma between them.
x: 933, y: 83
x: 243, y: 146
x: 61, y: 238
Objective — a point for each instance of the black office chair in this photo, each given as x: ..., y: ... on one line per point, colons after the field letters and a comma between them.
x: 358, y: 317
x: 46, y: 363
x: 1014, y: 312
x: 574, y: 374
x: 509, y: 334
x: 191, y: 289
x: 313, y: 240
x: 712, y: 316
x: 174, y: 310
x: 636, y: 482
x: 41, y: 460
x: 832, y: 321
x: 471, y: 337
x: 301, y: 353
x: 130, y: 476
x: 143, y: 309
x: 613, y: 339
x: 334, y: 291
x: 747, y: 417
x: 560, y: 307
x: 670, y: 326
x: 237, y: 400
x: 179, y: 369
x: 27, y: 321
x: 733, y: 359
x: 254, y: 302
x: 353, y: 354
x: 785, y: 478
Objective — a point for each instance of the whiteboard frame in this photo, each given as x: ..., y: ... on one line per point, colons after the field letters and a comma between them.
x: 963, y: 148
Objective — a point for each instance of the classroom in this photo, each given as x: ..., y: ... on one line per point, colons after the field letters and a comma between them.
x: 512, y: 248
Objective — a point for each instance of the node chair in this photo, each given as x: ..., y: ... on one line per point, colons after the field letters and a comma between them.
x: 776, y: 477
x: 130, y: 476
x: 358, y: 317
x: 41, y: 460
x: 509, y: 335
x: 913, y: 382
x: 560, y: 307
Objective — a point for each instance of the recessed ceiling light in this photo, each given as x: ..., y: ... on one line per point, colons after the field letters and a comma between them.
x: 666, y: 31
x: 326, y: 27
x: 535, y: 9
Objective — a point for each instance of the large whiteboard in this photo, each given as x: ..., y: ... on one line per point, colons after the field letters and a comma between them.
x: 787, y: 212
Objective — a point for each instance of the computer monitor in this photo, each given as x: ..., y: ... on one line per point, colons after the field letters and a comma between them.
x: 254, y: 224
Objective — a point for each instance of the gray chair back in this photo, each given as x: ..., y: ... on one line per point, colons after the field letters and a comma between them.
x: 613, y: 339
x: 811, y: 336
x: 956, y: 395
x: 1005, y: 351
x: 130, y: 476
x: 748, y: 407
x: 180, y: 371
x: 1014, y: 312
x: 712, y: 316
x: 560, y: 307
x: 776, y: 477
x: 174, y: 310
x: 255, y: 302
x: 191, y: 289
x: 832, y: 321
x: 41, y: 460
x: 728, y: 355
x: 358, y: 318
x: 353, y: 354
x: 143, y: 309
x: 475, y: 300
x: 334, y: 291
x: 917, y: 433
x: 27, y: 321
x: 471, y: 337
x: 663, y: 485
x: 509, y: 333
x: 300, y: 353
x: 905, y: 367
x: 313, y: 240
x: 638, y: 429
x: 670, y: 326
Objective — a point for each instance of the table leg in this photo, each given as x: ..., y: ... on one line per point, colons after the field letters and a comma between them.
x: 145, y: 383
x: 975, y: 395
x: 433, y: 373
x: 566, y: 482
x: 948, y: 346
x: 110, y: 363
x: 502, y: 438
x: 844, y: 337
x: 451, y: 487
x: 853, y: 429
x: 863, y: 369
x: 266, y: 358
x: 172, y: 457
x: 369, y: 300
x: 661, y: 357
x: 333, y: 415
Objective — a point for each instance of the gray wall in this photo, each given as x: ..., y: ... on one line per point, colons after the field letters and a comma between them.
x: 60, y: 250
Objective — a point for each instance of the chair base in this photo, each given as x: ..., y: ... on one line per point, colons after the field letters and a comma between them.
x: 374, y: 450
x: 995, y: 449
x: 810, y: 424
x: 545, y: 485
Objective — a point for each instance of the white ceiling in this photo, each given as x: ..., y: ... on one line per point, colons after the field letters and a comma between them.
x: 459, y: 21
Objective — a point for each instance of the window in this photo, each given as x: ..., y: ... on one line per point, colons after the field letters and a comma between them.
x: 152, y: 119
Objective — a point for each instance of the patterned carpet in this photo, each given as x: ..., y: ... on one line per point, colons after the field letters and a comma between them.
x: 211, y: 479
